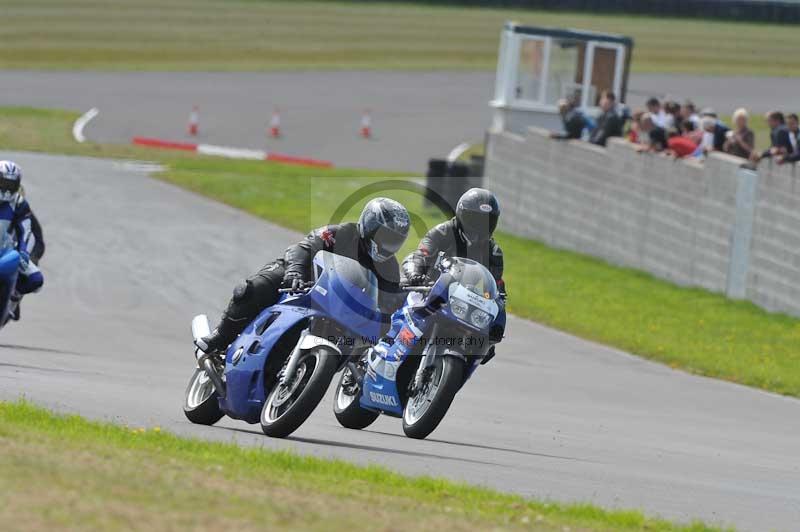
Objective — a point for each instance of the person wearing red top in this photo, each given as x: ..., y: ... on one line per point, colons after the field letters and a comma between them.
x: 681, y: 146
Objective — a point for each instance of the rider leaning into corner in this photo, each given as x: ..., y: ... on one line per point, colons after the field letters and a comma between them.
x: 18, y: 222
x: 468, y: 235
x: 373, y: 241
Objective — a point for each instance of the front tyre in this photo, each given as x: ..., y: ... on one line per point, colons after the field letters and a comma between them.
x: 288, y: 406
x: 346, y: 405
x: 201, y: 404
x: 427, y: 407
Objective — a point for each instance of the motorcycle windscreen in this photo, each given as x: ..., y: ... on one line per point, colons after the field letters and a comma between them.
x: 347, y: 292
x: 474, y: 277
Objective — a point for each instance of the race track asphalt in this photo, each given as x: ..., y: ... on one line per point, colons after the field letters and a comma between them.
x: 130, y: 260
x: 415, y: 115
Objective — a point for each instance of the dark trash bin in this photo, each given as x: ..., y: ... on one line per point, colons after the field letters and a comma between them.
x: 448, y: 181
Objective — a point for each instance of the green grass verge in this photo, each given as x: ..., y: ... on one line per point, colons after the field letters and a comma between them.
x: 64, y: 472
x: 236, y: 35
x: 687, y: 328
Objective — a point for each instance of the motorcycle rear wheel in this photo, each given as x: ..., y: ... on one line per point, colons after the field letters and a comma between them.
x: 201, y: 403
x: 287, y: 407
x: 346, y: 407
x: 426, y: 409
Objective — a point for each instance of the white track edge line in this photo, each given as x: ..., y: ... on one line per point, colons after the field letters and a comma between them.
x: 80, y: 123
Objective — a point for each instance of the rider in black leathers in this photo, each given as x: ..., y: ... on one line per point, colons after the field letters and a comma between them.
x: 467, y: 235
x: 381, y: 230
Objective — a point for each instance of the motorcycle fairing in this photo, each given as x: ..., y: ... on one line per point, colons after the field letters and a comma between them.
x: 344, y: 292
x: 9, y: 271
x: 380, y: 382
x: 247, y: 357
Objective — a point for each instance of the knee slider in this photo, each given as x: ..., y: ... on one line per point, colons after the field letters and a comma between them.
x: 241, y: 291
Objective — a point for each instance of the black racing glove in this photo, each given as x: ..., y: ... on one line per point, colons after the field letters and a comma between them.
x: 293, y: 281
x: 416, y: 279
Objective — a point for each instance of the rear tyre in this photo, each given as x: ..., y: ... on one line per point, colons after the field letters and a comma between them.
x: 346, y: 405
x: 426, y: 408
x: 201, y: 404
x: 288, y: 406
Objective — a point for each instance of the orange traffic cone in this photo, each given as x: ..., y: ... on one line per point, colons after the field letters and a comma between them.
x: 366, y: 124
x: 275, y: 124
x: 194, y: 121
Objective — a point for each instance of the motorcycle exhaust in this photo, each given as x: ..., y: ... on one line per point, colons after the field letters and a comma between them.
x: 219, y: 385
x: 200, y: 328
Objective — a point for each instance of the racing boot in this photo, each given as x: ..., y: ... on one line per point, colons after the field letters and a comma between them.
x: 16, y: 302
x: 221, y: 337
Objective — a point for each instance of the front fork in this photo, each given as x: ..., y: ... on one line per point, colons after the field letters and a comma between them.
x: 294, y: 359
x: 427, y: 361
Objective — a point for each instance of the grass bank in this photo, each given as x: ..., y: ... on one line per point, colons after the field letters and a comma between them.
x: 253, y: 35
x: 64, y: 472
x: 686, y: 328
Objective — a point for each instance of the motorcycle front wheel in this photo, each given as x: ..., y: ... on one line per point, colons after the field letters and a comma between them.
x: 346, y: 405
x: 201, y: 404
x: 426, y: 408
x: 289, y: 405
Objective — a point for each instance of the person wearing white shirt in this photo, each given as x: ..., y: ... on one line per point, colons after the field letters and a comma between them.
x: 660, y: 117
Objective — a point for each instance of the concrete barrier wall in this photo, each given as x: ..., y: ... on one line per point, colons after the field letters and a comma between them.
x: 773, y: 278
x: 711, y: 225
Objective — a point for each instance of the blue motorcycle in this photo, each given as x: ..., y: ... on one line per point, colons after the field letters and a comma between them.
x: 9, y: 272
x: 277, y: 371
x: 438, y: 339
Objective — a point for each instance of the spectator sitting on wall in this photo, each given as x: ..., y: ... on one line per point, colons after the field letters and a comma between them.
x: 656, y: 135
x: 673, y: 110
x: 635, y: 129
x: 781, y: 144
x: 610, y: 123
x: 715, y: 133
x: 690, y: 131
x: 794, y: 134
x: 679, y: 145
x: 740, y: 141
x: 573, y: 119
x: 708, y: 111
x: 689, y: 113
x: 791, y: 158
x: 793, y: 124
x: 658, y: 115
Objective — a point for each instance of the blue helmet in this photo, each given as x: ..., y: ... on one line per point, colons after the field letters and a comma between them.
x: 10, y: 181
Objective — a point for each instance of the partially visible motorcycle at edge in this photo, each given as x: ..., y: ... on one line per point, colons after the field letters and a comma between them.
x: 10, y: 260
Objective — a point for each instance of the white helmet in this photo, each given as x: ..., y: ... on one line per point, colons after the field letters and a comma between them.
x: 10, y: 181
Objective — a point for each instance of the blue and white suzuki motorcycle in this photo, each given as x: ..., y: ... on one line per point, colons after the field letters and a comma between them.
x: 438, y: 340
x: 9, y: 271
x: 279, y: 368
